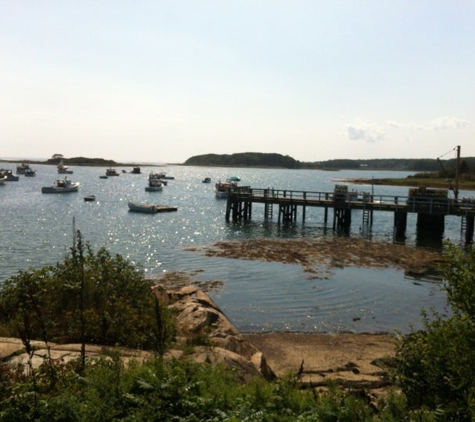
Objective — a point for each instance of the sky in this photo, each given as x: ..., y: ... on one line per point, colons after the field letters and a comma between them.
x: 164, y: 80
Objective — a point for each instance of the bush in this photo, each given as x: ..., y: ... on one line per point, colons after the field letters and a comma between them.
x: 171, y: 391
x: 93, y: 298
x: 435, y: 366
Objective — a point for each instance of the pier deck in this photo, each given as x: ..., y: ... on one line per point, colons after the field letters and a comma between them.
x: 350, y: 201
x: 431, y: 210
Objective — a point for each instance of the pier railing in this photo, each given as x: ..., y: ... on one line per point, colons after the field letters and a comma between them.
x: 354, y: 200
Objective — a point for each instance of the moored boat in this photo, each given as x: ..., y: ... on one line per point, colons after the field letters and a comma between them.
x: 63, y: 169
x: 154, y: 188
x: 149, y: 208
x: 21, y: 168
x: 10, y: 177
x: 154, y: 184
x: 145, y: 208
x: 111, y: 172
x: 207, y: 180
x: 90, y: 198
x: 157, y: 177
x: 163, y: 176
x: 29, y: 172
x: 221, y: 189
x: 61, y: 186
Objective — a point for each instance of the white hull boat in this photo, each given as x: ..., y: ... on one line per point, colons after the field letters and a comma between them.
x: 61, y: 186
x: 154, y: 185
x: 146, y: 208
x: 221, y: 189
x: 149, y: 208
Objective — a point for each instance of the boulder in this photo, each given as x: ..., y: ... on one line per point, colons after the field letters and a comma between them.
x: 214, y: 338
x: 244, y: 368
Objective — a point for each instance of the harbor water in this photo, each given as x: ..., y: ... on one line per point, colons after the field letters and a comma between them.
x: 37, y: 229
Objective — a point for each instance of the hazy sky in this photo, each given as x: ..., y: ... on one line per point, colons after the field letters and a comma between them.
x: 164, y: 80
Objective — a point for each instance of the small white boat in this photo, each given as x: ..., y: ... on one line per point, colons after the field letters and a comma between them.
x: 146, y: 208
x: 154, y: 185
x: 221, y: 189
x: 61, y: 186
x: 150, y: 208
x: 62, y: 169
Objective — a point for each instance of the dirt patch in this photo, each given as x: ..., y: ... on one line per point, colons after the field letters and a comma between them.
x: 318, y: 256
x: 354, y: 361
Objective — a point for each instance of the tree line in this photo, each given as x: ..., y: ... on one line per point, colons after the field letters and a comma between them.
x: 258, y: 159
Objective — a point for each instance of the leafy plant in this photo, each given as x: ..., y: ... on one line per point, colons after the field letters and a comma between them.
x: 434, y: 366
x: 89, y: 297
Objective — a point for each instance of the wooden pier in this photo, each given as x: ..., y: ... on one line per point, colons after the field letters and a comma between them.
x: 431, y: 211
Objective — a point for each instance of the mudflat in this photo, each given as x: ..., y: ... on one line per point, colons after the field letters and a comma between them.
x: 318, y: 256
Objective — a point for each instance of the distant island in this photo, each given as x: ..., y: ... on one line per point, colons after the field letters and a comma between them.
x: 75, y: 161
x: 259, y: 159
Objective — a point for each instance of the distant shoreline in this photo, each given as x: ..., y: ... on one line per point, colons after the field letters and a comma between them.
x: 98, y: 163
x: 413, y: 182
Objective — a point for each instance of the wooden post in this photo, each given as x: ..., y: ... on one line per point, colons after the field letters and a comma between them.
x: 400, y: 224
x: 469, y: 230
x: 430, y: 229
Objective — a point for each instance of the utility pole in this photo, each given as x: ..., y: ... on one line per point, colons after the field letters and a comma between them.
x: 457, y: 165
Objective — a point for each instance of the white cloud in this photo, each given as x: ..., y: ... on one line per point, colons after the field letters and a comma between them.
x: 447, y: 122
x: 365, y: 132
x: 393, y: 123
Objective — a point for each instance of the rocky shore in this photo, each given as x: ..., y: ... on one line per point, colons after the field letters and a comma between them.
x: 204, y: 334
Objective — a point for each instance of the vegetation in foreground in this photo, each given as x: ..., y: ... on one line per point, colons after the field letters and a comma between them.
x: 435, y: 366
x: 87, y: 296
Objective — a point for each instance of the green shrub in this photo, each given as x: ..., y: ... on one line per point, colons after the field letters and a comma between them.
x: 435, y: 366
x: 89, y: 297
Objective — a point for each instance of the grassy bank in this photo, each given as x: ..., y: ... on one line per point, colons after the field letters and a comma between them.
x: 418, y: 181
